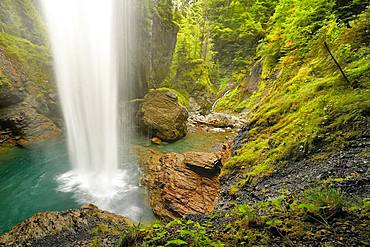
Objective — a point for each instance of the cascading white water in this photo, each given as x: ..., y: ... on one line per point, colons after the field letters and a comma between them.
x: 90, y: 63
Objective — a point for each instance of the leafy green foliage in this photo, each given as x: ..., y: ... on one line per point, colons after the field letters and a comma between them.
x: 323, y: 202
x: 132, y: 237
x: 238, y: 26
x: 165, y: 10
x: 293, y: 26
x: 174, y: 233
x: 193, y: 59
x: 280, y: 220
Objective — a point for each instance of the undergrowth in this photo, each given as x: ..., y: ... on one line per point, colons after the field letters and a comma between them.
x: 283, y: 221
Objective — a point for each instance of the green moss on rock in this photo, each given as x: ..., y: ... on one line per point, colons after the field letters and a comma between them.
x: 183, y: 96
x: 21, y: 18
x: 34, y: 60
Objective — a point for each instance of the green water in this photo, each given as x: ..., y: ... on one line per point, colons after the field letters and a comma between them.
x: 28, y: 182
x: 28, y: 185
x: 199, y: 141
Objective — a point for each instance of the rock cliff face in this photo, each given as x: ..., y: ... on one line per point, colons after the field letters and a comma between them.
x: 164, y: 37
x: 21, y: 18
x: 157, y: 39
x: 175, y: 189
x: 28, y: 108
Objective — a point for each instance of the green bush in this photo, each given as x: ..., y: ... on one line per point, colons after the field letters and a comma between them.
x: 323, y: 202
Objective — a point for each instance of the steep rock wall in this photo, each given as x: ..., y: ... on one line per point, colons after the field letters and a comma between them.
x: 28, y: 108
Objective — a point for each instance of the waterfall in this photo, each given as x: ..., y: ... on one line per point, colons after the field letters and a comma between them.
x: 218, y: 100
x: 91, y: 42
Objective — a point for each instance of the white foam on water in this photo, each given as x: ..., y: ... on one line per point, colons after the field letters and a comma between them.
x: 91, y: 42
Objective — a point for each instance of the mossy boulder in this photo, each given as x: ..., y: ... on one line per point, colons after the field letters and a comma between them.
x: 29, y: 111
x: 77, y: 227
x: 163, y: 115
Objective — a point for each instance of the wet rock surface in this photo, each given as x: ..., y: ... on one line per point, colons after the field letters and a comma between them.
x: 21, y: 125
x: 163, y: 115
x: 181, y: 183
x: 27, y: 113
x: 68, y: 228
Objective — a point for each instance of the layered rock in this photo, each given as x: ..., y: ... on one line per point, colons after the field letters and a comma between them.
x: 69, y: 228
x: 28, y: 108
x: 164, y: 116
x: 164, y: 38
x: 201, y: 160
x: 21, y: 125
x: 182, y: 183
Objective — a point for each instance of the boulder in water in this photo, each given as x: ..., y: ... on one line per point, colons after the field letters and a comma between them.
x: 164, y: 116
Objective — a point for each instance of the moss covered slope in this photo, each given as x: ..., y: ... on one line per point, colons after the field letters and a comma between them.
x: 304, y: 103
x: 27, y: 99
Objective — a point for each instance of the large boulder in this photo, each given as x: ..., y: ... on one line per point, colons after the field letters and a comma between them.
x: 182, y: 183
x: 202, y: 160
x: 164, y: 116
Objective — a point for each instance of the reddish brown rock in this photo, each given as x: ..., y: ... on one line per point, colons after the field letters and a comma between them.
x: 206, y: 161
x: 176, y: 188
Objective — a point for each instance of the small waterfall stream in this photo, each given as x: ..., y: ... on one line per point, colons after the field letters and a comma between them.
x: 218, y: 100
x: 91, y: 42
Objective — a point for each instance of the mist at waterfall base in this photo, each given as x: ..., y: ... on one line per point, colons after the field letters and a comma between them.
x: 91, y: 42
